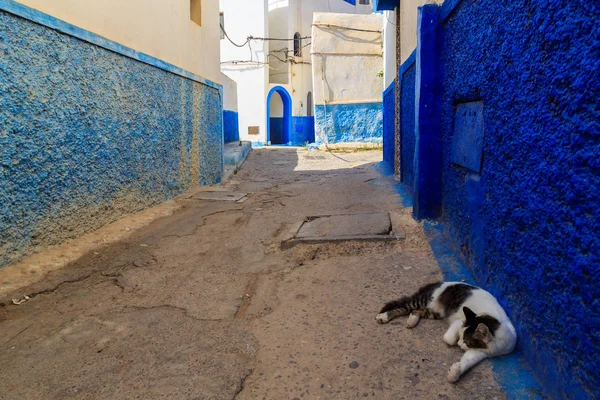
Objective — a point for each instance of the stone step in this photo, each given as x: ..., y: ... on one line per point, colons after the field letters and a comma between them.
x: 235, y: 153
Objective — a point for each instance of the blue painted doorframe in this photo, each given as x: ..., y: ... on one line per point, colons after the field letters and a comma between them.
x: 287, y: 113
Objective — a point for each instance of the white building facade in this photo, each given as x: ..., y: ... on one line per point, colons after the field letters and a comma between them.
x: 347, y: 63
x: 273, y: 68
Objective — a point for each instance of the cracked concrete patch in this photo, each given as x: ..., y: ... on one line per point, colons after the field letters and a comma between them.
x: 220, y: 196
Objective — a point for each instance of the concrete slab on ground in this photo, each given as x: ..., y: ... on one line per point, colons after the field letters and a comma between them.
x: 363, y: 224
x: 366, y: 227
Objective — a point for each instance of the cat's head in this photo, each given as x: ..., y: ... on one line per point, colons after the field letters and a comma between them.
x: 478, y: 330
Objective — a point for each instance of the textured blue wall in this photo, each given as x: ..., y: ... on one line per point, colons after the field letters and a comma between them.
x: 303, y: 130
x: 407, y: 126
x: 427, y: 192
x: 389, y: 121
x: 341, y: 123
x: 529, y: 224
x: 231, y: 130
x: 87, y: 135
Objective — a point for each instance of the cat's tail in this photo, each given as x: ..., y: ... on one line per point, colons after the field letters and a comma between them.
x: 402, y: 305
x: 408, y: 304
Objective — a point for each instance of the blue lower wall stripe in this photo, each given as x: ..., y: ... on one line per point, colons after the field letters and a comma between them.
x: 345, y: 123
x: 389, y: 124
x: 231, y: 130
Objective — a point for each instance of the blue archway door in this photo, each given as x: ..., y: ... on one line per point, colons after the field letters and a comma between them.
x: 285, y: 136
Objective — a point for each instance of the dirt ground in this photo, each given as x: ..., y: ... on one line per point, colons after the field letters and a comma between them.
x: 203, y: 304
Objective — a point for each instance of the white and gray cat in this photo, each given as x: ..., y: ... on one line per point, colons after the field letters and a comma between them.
x: 478, y: 324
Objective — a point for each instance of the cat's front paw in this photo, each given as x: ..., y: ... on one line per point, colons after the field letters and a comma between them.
x: 450, y: 338
x: 382, y: 318
x: 454, y: 373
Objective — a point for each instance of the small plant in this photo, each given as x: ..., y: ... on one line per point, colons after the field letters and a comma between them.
x: 380, y: 74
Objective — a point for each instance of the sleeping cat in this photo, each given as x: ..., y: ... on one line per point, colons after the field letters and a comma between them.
x: 477, y: 322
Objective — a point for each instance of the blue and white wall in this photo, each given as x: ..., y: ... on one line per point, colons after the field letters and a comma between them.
x: 91, y: 129
x: 505, y: 142
x: 347, y: 84
x: 231, y: 129
x: 259, y: 66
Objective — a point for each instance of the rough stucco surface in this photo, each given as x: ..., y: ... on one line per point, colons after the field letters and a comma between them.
x: 342, y: 123
x: 231, y: 131
x: 87, y: 135
x: 389, y: 120
x: 535, y: 67
x: 303, y: 130
x: 407, y: 119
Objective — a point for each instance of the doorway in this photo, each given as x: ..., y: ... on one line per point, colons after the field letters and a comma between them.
x: 279, y: 116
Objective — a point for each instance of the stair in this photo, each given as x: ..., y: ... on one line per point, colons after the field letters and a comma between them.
x: 234, y: 155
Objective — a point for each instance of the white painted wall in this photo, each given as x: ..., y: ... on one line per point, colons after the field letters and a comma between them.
x: 276, y: 106
x: 390, y: 68
x: 299, y: 19
x: 408, y: 25
x: 345, y: 62
x: 243, y: 19
x: 275, y: 19
x: 160, y: 28
x: 279, y: 11
x: 230, y: 99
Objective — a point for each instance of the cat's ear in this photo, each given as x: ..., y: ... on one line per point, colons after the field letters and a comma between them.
x: 482, y: 333
x: 469, y: 314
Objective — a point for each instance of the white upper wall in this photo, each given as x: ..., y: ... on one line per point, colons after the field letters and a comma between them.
x: 346, y: 62
x: 230, y: 97
x: 286, y: 17
x: 246, y: 64
x: 160, y: 28
x: 408, y: 25
x: 389, y: 48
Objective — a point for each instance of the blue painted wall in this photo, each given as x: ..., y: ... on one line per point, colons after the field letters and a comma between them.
x: 87, y: 134
x: 341, y: 123
x: 389, y: 122
x: 427, y: 191
x: 527, y: 225
x: 231, y: 130
x: 407, y: 125
x: 303, y: 130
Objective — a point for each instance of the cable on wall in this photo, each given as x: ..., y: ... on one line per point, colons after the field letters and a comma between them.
x: 346, y: 28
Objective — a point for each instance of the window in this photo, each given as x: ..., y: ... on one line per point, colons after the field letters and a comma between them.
x: 222, y: 23
x: 297, y: 45
x: 196, y: 11
x: 364, y: 2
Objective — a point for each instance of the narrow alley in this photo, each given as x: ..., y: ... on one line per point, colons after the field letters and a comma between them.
x: 204, y: 304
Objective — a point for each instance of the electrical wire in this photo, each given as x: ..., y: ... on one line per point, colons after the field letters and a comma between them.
x: 231, y: 41
x: 388, y: 19
x: 278, y: 39
x: 347, y: 28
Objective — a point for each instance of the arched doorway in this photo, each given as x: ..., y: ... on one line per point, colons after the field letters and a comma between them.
x: 282, y: 125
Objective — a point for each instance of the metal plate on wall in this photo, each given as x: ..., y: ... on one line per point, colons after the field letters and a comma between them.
x: 467, y: 142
